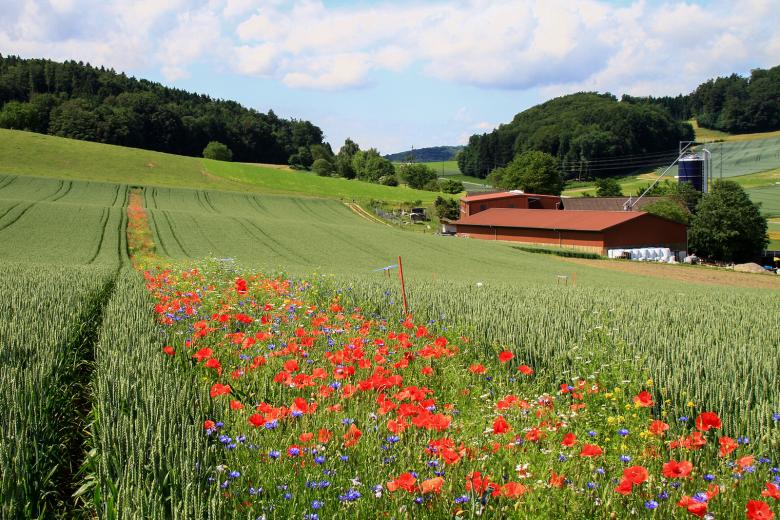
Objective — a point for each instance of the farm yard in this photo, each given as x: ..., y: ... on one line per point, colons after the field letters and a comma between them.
x: 263, y: 366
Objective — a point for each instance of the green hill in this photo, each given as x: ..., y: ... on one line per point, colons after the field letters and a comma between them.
x: 25, y: 153
x: 430, y: 154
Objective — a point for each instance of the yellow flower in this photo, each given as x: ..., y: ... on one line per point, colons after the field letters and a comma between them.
x: 610, y: 420
x: 690, y: 404
x: 649, y: 382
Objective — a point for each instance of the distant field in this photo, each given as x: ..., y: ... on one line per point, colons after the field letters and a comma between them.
x: 449, y: 169
x: 774, y: 234
x: 25, y: 153
x: 704, y: 134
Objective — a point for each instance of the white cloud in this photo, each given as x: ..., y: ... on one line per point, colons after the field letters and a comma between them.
x: 557, y: 45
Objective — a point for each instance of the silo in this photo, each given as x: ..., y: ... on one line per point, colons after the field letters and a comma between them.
x: 691, y: 169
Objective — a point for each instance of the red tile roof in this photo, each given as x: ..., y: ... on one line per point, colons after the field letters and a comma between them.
x: 550, y: 219
x: 504, y: 195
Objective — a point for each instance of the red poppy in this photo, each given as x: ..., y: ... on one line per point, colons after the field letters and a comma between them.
x: 324, y: 435
x: 708, y: 420
x: 644, y: 399
x: 291, y: 365
x: 169, y: 350
x: 505, y: 356
x: 635, y: 474
x: 477, y: 368
x: 658, y: 427
x: 556, y: 480
x: 744, y: 462
x: 405, y: 481
x: 432, y: 485
x: 693, y: 506
x: 727, y: 445
x: 674, y: 469
x: 236, y: 405
x: 202, y: 354
x: 352, y: 436
x: 525, y: 370
x: 305, y: 437
x: 218, y: 389
x: 758, y: 510
x: 500, y: 425
x: 511, y: 490
x: 209, y: 424
x: 256, y: 420
x: 625, y: 487
x: 771, y: 491
x: 477, y: 483
x: 568, y: 440
x: 591, y: 450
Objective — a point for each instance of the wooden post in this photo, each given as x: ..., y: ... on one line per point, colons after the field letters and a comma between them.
x: 403, y: 286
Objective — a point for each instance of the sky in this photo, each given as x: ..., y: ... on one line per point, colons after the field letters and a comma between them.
x: 394, y: 74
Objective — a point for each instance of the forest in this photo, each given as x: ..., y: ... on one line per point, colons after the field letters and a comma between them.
x: 79, y: 101
x: 586, y: 132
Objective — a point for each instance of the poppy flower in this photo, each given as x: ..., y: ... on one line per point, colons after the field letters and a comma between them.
x: 525, y: 370
x: 432, y: 485
x: 218, y: 389
x: 591, y: 450
x: 405, y: 481
x: 758, y: 510
x: 236, y: 405
x: 477, y: 368
x: 352, y: 436
x: 568, y: 440
x: 202, y: 354
x: 746, y: 461
x: 635, y: 474
x: 291, y: 365
x: 505, y: 356
x: 500, y: 425
x: 693, y: 506
x: 477, y: 483
x: 674, y: 469
x: 707, y: 421
x: 658, y: 427
x: 644, y: 399
x: 556, y: 480
x: 727, y: 445
x: 256, y: 420
x: 209, y: 424
x: 169, y: 350
x: 324, y: 435
x: 511, y: 490
x: 625, y: 487
x: 771, y: 491
x: 305, y: 437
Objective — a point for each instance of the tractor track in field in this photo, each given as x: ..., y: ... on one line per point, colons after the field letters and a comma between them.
x: 359, y: 211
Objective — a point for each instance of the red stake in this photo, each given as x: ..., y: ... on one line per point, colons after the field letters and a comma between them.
x: 403, y: 286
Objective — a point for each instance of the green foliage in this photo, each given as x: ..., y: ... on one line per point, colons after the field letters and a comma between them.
x: 451, y: 186
x: 669, y: 209
x: 577, y: 129
x: 565, y: 253
x: 323, y: 167
x: 369, y: 166
x: 217, y: 151
x: 608, y: 187
x: 532, y: 172
x: 418, y: 176
x: 682, y: 192
x: 727, y: 226
x: 302, y: 159
x: 83, y: 102
x: 447, y: 208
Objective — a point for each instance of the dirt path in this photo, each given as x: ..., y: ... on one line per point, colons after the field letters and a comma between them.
x: 684, y: 273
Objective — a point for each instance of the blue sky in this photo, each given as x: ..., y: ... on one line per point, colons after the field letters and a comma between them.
x: 398, y: 74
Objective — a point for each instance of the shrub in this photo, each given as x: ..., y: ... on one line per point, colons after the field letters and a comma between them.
x: 217, y: 151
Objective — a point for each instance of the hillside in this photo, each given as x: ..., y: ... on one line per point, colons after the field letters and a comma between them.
x: 431, y: 154
x: 590, y: 134
x: 26, y: 153
x: 83, y: 102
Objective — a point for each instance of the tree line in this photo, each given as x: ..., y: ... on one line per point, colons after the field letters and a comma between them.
x: 734, y: 104
x: 79, y: 101
x: 589, y: 135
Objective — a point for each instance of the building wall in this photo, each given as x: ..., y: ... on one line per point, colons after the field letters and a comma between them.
x: 516, y: 202
x: 647, y: 231
x: 583, y: 240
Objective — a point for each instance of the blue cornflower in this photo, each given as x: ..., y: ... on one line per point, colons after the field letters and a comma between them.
x: 255, y: 491
x: 225, y: 439
x: 592, y: 485
x: 625, y: 458
x: 709, y: 477
x: 663, y: 496
x: 347, y: 420
x: 350, y: 496
x: 418, y: 500
x: 600, y: 471
x: 561, y: 458
x: 274, y: 454
x: 234, y: 474
x: 293, y: 452
x: 651, y: 504
x: 461, y: 499
x: 743, y: 440
x: 776, y: 417
x: 287, y: 496
x: 701, y: 497
x: 311, y: 516
x: 344, y: 458
x: 296, y: 413
x: 675, y: 485
x: 622, y: 432
x: 393, y: 438
x: 592, y: 433
x: 764, y: 460
x: 316, y: 504
x: 683, y: 419
x: 271, y: 425
x: 225, y: 484
x: 319, y: 459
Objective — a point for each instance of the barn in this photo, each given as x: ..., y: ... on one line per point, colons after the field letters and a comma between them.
x: 596, y: 231
x: 516, y: 199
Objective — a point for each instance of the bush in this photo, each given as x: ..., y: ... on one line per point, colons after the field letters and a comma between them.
x: 532, y: 172
x: 388, y: 180
x: 418, y: 175
x: 452, y: 186
x: 669, y: 209
x: 432, y: 185
x: 323, y: 168
x: 447, y: 208
x: 217, y: 151
x: 608, y: 188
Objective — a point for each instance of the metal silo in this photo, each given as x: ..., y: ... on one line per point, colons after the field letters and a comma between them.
x: 692, y: 168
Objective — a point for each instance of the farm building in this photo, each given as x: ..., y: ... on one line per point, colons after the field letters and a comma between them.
x: 516, y: 199
x: 596, y: 231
